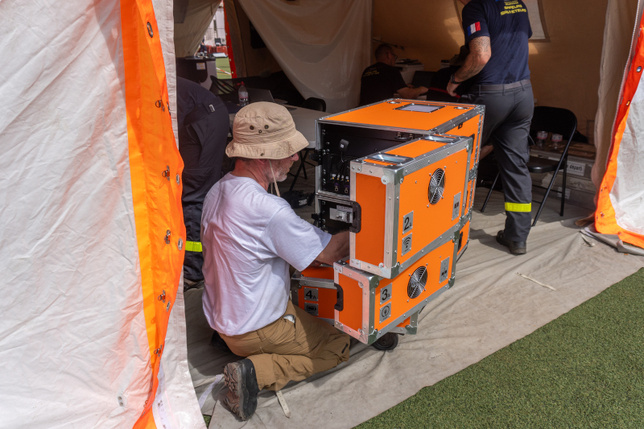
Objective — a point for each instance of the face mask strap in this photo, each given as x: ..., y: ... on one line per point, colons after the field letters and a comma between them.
x: 277, y: 190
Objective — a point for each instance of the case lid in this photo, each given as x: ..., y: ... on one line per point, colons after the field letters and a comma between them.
x: 407, y: 114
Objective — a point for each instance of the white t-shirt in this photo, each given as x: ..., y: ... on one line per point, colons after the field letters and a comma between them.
x: 249, y: 239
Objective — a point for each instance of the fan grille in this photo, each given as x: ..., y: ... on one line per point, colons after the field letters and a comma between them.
x: 436, y: 186
x: 417, y: 282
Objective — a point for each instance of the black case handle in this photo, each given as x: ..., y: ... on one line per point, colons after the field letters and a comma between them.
x: 339, y: 305
x: 356, y: 224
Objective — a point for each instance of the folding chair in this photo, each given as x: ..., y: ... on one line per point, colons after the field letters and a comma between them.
x: 221, y: 87
x: 557, y: 121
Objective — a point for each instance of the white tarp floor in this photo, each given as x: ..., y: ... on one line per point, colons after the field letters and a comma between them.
x: 490, y: 306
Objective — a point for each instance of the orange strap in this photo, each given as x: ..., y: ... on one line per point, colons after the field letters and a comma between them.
x: 155, y: 168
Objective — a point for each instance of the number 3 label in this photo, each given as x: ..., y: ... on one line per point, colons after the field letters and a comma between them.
x: 385, y: 294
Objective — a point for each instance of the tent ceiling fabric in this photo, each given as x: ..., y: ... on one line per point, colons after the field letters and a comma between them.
x: 323, y: 46
x: 189, y: 32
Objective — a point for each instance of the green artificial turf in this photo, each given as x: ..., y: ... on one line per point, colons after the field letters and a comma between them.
x: 582, y: 370
x: 223, y: 68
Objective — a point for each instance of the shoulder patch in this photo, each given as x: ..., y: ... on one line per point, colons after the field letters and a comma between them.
x: 474, y: 28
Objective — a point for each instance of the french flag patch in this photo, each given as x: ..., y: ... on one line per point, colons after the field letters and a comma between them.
x: 474, y: 28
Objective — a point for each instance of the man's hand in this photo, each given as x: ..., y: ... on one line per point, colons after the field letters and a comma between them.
x: 410, y: 92
x: 338, y: 248
x: 451, y: 89
x: 315, y: 264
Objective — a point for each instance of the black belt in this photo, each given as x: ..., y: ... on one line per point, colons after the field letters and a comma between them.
x: 502, y: 86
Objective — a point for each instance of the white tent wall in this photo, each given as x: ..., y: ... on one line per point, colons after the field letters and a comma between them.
x: 619, y: 207
x: 627, y: 193
x: 74, y: 347
x: 322, y: 45
x: 618, y: 32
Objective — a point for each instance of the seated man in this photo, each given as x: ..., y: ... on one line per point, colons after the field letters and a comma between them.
x: 250, y: 238
x: 382, y: 80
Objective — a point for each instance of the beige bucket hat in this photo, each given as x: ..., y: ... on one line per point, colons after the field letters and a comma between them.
x: 265, y: 130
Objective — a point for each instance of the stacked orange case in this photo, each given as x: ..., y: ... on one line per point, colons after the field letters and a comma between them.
x: 409, y: 208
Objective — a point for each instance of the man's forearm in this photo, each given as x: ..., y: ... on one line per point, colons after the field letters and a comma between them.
x: 480, y: 53
x: 338, y: 248
x: 411, y: 92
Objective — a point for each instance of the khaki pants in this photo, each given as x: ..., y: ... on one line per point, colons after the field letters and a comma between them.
x: 285, y: 351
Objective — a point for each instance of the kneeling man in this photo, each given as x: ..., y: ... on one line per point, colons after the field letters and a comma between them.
x: 250, y: 238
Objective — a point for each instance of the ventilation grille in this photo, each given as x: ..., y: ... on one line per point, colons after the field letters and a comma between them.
x: 417, y: 282
x: 436, y: 186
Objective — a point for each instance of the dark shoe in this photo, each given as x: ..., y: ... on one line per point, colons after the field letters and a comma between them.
x: 241, y: 381
x: 516, y: 247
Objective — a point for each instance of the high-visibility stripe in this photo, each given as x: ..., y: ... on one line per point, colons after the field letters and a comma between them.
x: 155, y: 166
x: 193, y: 246
x: 518, y: 207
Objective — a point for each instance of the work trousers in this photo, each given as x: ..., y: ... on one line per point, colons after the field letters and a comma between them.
x: 289, y: 350
x: 508, y: 113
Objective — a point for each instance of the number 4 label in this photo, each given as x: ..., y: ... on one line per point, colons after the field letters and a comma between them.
x: 310, y: 294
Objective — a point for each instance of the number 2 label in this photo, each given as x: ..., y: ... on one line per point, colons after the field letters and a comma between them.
x: 408, y: 222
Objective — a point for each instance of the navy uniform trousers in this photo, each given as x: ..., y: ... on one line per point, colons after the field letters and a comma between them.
x: 508, y: 113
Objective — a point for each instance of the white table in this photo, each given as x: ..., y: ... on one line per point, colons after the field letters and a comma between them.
x: 305, y: 121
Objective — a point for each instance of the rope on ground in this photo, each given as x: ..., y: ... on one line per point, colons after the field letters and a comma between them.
x: 219, y: 379
x: 587, y: 241
x: 282, y: 401
x: 536, y: 281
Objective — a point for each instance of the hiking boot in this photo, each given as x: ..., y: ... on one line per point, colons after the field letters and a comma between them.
x: 241, y: 381
x: 516, y: 247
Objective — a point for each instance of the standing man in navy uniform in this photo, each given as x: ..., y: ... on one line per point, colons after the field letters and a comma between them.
x: 497, y: 34
x: 203, y: 123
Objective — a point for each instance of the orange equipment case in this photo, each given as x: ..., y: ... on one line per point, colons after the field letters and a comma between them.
x: 411, y: 202
x: 314, y: 291
x: 346, y: 136
x: 373, y: 306
x: 381, y: 137
x: 400, y: 175
x: 367, y: 306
